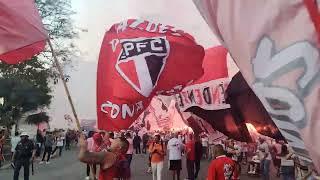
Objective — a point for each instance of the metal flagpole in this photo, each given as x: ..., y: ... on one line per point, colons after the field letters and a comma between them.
x: 64, y: 84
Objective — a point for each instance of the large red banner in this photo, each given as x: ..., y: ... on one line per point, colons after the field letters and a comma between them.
x: 140, y: 59
x: 208, y: 92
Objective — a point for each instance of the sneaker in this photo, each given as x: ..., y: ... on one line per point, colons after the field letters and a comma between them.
x: 41, y: 162
x: 250, y: 172
x: 48, y: 162
x: 87, y: 178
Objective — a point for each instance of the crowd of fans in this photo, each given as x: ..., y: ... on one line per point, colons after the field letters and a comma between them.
x: 228, y: 157
x: 111, y: 154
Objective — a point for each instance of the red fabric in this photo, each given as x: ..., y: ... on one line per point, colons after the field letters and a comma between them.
x: 22, y: 34
x: 190, y: 145
x: 130, y: 52
x: 112, y: 172
x: 207, y: 91
x: 314, y: 15
x: 221, y: 168
x: 214, y: 64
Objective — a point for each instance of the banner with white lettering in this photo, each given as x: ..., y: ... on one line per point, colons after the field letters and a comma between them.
x: 208, y: 95
x: 138, y: 60
x: 276, y: 47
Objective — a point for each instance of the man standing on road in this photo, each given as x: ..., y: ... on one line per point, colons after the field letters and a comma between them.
x: 205, y: 145
x: 157, y: 153
x: 47, y: 147
x: 265, y: 157
x: 198, y: 155
x: 190, y: 151
x: 145, y: 139
x: 14, y: 141
x: 175, y: 148
x: 130, y: 148
x: 24, y: 150
x: 113, y: 164
x: 136, y: 143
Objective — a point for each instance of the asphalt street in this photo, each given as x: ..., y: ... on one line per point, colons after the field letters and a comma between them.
x: 68, y: 167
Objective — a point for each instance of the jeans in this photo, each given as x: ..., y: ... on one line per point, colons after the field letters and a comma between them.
x: 67, y: 147
x: 144, y: 148
x: 157, y: 170
x: 190, y: 169
x: 287, y: 172
x: 38, y: 149
x: 197, y: 166
x: 60, y: 150
x: 129, y: 158
x: 138, y: 149
x: 47, y: 150
x: 18, y: 164
x: 265, y: 169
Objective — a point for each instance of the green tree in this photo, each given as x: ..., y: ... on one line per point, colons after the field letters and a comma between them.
x: 22, y: 95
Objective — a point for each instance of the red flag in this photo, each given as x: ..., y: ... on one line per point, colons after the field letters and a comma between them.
x: 276, y: 47
x: 208, y: 91
x: 22, y: 34
x: 205, y: 98
x: 139, y: 59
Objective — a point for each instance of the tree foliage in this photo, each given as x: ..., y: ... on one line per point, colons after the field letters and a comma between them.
x: 26, y: 86
x: 56, y: 17
x: 36, y: 119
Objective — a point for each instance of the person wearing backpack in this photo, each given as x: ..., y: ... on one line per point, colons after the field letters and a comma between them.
x: 157, y: 152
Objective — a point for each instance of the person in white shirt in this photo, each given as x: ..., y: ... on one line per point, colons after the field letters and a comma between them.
x: 130, y: 148
x: 287, y: 163
x: 175, y: 148
x: 14, y: 141
x: 205, y: 144
x: 277, y: 151
x: 59, y: 144
x: 265, y: 157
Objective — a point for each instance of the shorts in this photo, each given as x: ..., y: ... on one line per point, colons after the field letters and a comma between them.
x: 175, y: 165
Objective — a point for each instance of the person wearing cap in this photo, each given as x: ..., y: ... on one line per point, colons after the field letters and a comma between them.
x: 113, y: 163
x: 24, y: 151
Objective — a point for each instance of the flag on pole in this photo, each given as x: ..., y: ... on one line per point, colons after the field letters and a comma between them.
x: 22, y: 34
x: 276, y: 47
x: 138, y: 60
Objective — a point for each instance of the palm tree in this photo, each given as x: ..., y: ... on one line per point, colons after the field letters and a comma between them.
x: 37, y: 119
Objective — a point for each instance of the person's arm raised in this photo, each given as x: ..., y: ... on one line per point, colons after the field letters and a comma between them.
x: 89, y: 157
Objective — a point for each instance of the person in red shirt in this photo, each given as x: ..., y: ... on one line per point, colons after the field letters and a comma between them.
x: 222, y: 167
x: 190, y: 151
x: 113, y: 164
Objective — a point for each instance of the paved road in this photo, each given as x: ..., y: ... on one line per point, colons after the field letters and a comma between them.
x: 69, y: 168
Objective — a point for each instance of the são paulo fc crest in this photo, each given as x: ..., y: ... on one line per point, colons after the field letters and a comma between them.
x: 141, y: 62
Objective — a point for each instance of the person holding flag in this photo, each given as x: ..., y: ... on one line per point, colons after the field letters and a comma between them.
x: 113, y: 164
